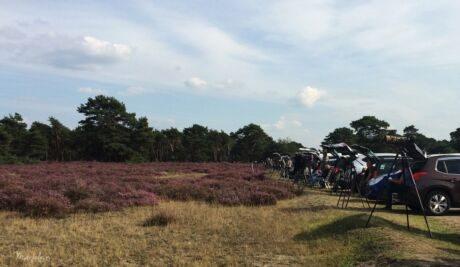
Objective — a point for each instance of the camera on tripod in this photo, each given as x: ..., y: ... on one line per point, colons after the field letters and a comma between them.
x: 408, y: 145
x: 394, y: 139
x: 407, y: 149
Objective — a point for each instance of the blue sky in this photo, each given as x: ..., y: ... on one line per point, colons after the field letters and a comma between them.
x: 297, y: 68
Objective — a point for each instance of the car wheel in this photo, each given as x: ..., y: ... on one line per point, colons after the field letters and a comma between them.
x: 437, y: 203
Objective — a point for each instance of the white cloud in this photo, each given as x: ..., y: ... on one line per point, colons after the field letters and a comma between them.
x: 296, y: 123
x: 102, y: 48
x: 196, y: 83
x: 133, y: 91
x: 283, y: 123
x: 228, y: 84
x: 308, y: 96
x: 214, y: 43
x: 60, y: 50
x: 91, y: 91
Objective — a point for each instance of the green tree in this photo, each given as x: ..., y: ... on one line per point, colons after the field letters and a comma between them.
x: 430, y: 145
x: 174, y: 139
x: 196, y: 143
x: 16, y: 128
x: 284, y: 146
x: 160, y: 146
x: 441, y: 147
x: 60, y: 141
x: 220, y: 143
x: 455, y: 139
x: 251, y: 143
x: 227, y: 143
x: 410, y: 131
x: 106, y: 130
x: 142, y: 139
x: 369, y: 127
x: 37, y: 145
x: 38, y: 141
x: 5, y: 140
x: 339, y: 135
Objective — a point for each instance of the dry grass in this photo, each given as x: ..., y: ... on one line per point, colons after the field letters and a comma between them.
x: 305, y: 231
x: 160, y: 218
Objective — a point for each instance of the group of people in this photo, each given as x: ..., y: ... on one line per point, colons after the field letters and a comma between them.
x: 337, y: 174
x: 302, y: 168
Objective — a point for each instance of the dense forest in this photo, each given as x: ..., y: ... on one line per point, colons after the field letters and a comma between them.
x: 109, y: 132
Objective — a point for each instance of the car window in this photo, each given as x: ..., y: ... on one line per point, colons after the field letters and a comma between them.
x: 453, y: 166
x: 441, y: 167
x: 385, y: 166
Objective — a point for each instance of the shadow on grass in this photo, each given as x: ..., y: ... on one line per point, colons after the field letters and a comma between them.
x: 308, y: 209
x: 437, y: 261
x: 336, y: 228
x: 451, y: 251
x: 345, y: 225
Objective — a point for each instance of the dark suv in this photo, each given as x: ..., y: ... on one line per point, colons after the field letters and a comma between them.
x: 438, y: 181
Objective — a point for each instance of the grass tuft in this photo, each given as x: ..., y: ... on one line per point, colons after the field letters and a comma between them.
x: 161, y: 218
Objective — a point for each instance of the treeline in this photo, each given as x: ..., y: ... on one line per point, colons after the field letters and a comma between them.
x: 110, y: 133
x: 361, y: 132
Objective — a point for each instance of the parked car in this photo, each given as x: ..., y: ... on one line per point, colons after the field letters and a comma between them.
x: 438, y: 182
x: 385, y: 162
x: 377, y: 185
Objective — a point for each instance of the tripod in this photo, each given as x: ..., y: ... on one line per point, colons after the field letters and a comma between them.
x: 347, y: 192
x: 355, y: 185
x: 406, y: 166
x: 346, y: 189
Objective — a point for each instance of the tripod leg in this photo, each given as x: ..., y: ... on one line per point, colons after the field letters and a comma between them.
x: 360, y: 195
x: 407, y: 217
x: 348, y: 200
x: 362, y: 202
x: 368, y: 204
x: 345, y: 193
x: 370, y: 216
x: 352, y: 186
x: 340, y: 196
x: 427, y: 225
x: 419, y: 200
x: 363, y: 199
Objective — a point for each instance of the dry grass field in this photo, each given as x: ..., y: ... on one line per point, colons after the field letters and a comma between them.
x: 304, y: 231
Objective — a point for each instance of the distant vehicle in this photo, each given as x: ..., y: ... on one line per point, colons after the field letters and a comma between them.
x: 438, y: 181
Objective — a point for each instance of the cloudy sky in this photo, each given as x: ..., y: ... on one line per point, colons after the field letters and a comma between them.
x: 297, y: 68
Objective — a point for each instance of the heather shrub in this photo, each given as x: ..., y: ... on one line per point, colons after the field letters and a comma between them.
x: 77, y: 193
x: 48, y: 204
x: 54, y: 189
x: 94, y: 205
x: 262, y: 198
x: 12, y: 194
x: 161, y: 218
